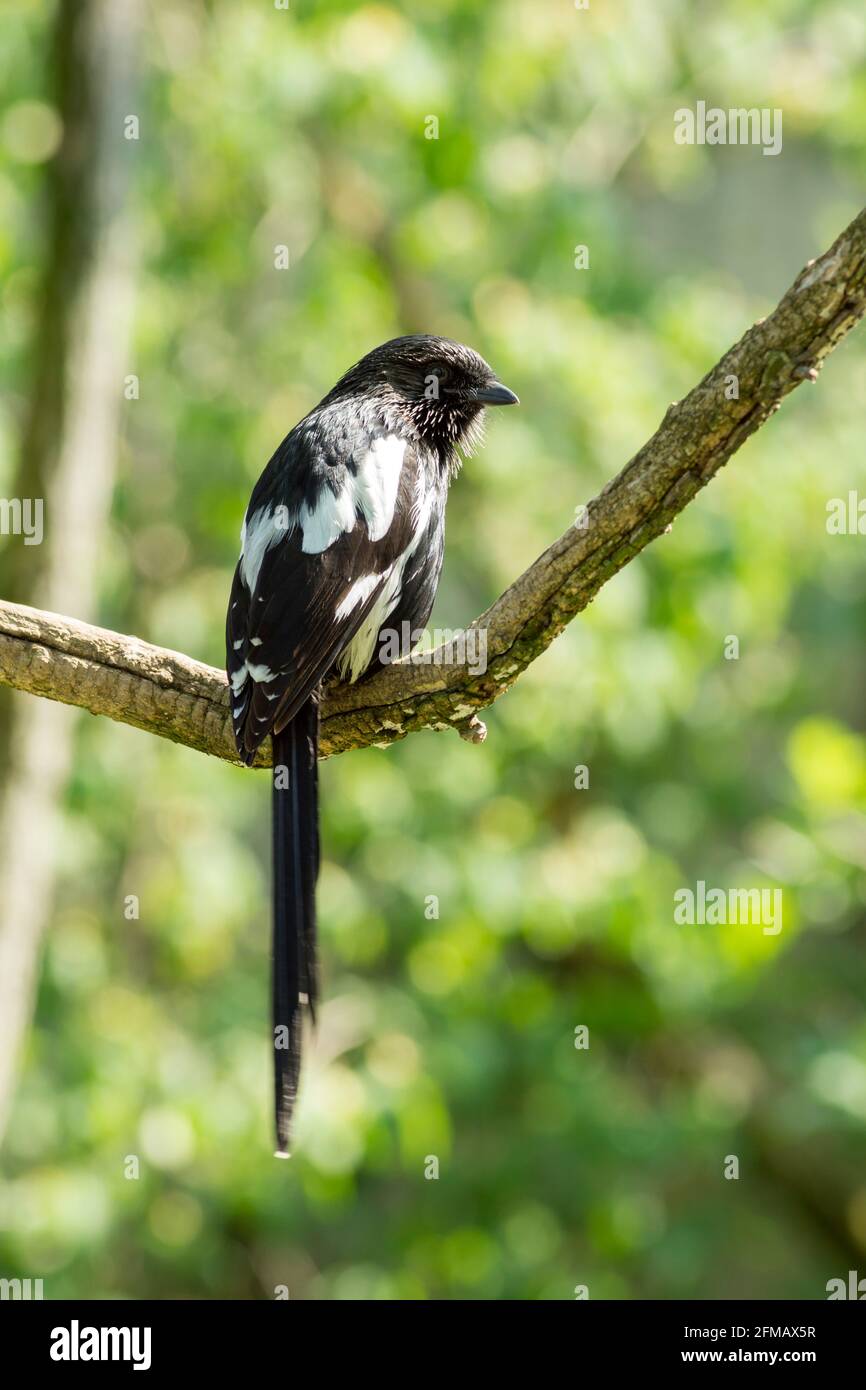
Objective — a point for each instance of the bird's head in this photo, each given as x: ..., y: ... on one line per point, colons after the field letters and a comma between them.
x: 438, y: 387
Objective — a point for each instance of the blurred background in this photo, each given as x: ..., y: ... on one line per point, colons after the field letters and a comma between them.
x: 156, y: 157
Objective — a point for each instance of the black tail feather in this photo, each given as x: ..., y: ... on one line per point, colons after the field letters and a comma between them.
x: 295, y: 869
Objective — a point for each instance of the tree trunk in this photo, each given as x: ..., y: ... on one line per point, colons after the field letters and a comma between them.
x: 68, y: 455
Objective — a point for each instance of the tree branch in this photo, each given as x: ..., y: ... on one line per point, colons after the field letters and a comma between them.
x: 175, y: 697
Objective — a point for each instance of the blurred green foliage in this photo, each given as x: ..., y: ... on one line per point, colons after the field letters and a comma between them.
x: 454, y: 1037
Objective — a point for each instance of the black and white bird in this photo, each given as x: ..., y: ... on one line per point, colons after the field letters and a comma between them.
x: 342, y: 543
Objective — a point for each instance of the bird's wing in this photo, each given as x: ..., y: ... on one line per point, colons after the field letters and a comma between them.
x: 312, y: 568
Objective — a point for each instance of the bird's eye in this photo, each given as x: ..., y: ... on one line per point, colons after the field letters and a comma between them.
x: 434, y: 378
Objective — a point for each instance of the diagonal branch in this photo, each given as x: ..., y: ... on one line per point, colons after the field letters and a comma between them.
x: 175, y: 697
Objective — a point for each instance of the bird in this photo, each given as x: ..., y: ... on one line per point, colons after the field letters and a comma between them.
x: 342, y: 543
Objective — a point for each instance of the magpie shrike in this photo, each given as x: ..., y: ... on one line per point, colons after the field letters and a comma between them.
x: 342, y: 540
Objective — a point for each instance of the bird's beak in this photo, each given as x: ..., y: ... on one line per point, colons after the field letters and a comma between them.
x: 496, y: 394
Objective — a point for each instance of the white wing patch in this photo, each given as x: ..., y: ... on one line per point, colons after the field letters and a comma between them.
x: 361, y: 589
x: 356, y: 657
x: 259, y: 673
x: 332, y: 515
x: 263, y: 529
x: 377, y: 481
x: 372, y: 491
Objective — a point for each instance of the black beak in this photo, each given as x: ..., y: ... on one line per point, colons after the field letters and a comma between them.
x: 496, y: 394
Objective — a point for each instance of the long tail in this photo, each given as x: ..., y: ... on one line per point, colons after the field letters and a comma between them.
x: 295, y: 869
